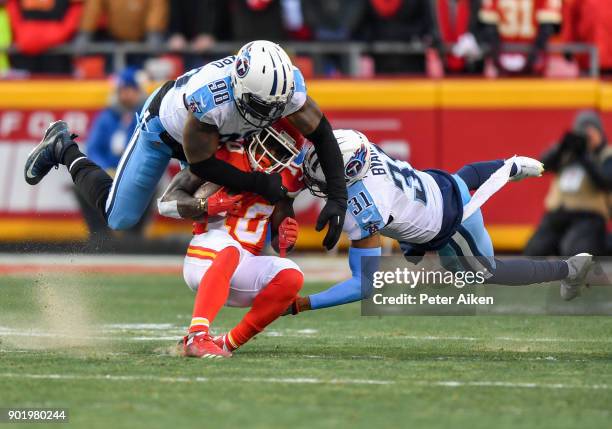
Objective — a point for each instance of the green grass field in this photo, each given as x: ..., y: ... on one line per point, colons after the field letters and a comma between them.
x: 103, y: 346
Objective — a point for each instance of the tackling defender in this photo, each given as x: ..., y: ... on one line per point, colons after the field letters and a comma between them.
x: 223, y: 264
x: 424, y: 211
x: 226, y: 100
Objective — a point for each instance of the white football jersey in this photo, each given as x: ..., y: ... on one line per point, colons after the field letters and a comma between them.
x: 206, y: 92
x: 395, y: 200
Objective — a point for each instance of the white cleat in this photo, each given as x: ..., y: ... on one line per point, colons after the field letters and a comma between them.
x: 579, y: 267
x: 527, y: 167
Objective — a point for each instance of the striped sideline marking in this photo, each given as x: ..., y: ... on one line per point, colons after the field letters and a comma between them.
x: 298, y: 380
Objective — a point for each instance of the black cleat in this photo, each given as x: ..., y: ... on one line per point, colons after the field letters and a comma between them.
x: 48, y: 153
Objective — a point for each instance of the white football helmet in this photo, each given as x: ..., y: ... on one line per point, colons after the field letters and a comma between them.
x: 355, y: 150
x: 262, y: 81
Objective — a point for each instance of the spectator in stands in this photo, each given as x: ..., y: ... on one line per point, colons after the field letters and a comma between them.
x: 457, y: 25
x: 38, y: 26
x: 400, y: 20
x: 126, y: 21
x: 192, y: 24
x: 519, y: 21
x: 333, y: 21
x: 108, y: 137
x: 590, y: 21
x: 293, y: 20
x: 578, y: 201
x: 256, y: 20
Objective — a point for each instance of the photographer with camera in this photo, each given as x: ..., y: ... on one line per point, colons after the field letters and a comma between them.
x: 578, y: 201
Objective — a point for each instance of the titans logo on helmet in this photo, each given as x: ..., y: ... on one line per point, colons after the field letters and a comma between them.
x: 356, y: 163
x: 242, y: 66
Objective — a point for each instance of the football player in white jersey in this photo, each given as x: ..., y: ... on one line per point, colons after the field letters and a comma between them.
x: 225, y: 100
x: 424, y: 211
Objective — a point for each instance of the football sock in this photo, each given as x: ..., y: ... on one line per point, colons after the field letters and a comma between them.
x: 271, y: 302
x: 214, y: 289
x: 92, y: 182
x: 476, y: 173
x: 71, y: 154
x: 519, y: 272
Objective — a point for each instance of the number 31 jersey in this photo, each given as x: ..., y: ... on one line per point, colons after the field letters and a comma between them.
x: 206, y: 93
x: 395, y: 200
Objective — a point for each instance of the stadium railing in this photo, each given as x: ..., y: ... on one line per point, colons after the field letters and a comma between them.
x: 351, y: 52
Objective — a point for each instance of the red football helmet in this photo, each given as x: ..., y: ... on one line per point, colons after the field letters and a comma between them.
x: 275, y: 147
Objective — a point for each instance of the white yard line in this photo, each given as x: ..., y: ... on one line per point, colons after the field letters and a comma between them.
x: 511, y: 339
x: 166, y: 331
x: 300, y: 380
x: 154, y: 378
x: 519, y: 385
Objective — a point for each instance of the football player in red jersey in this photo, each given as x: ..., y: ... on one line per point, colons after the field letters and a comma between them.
x: 520, y: 21
x: 223, y: 263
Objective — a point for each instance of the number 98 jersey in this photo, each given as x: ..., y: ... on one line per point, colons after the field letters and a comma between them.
x: 395, y: 200
x: 206, y: 93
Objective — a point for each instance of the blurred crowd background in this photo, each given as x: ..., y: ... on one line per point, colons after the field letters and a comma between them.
x: 527, y: 77
x: 90, y: 38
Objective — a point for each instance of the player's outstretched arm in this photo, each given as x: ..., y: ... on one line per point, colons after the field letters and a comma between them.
x: 181, y: 199
x: 315, y: 127
x: 200, y: 142
x: 349, y: 290
x: 178, y: 201
x: 283, y: 212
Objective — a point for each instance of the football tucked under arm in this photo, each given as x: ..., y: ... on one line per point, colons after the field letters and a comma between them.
x: 185, y: 197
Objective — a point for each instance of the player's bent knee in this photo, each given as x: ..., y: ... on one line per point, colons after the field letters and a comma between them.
x: 292, y: 278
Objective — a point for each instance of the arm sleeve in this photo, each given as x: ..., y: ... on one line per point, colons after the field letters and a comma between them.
x: 203, y: 104
x: 349, y: 290
x: 299, y: 95
x: 328, y: 151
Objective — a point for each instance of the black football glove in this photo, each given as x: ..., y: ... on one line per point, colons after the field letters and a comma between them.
x: 333, y: 214
x: 270, y: 186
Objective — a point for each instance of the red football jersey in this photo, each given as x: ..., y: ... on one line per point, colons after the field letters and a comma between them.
x: 249, y: 224
x: 518, y: 20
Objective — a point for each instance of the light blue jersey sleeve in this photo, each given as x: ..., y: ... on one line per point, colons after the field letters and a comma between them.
x: 363, y: 264
x: 205, y: 101
x: 299, y: 93
x: 363, y: 217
